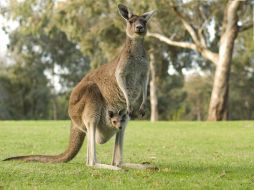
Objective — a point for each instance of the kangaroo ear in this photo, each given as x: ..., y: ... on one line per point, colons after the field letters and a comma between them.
x: 124, y: 11
x: 111, y: 114
x: 148, y: 15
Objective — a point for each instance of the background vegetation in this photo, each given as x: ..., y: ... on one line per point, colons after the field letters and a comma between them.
x: 57, y: 42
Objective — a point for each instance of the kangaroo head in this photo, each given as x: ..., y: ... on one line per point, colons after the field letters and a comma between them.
x: 117, y: 119
x: 136, y: 25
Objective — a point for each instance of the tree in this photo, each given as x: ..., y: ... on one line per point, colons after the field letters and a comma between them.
x: 222, y: 59
x: 38, y: 43
x: 24, y: 94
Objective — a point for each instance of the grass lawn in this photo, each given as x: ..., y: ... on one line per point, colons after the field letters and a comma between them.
x: 189, y: 155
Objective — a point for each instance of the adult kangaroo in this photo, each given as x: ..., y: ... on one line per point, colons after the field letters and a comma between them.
x: 109, y: 89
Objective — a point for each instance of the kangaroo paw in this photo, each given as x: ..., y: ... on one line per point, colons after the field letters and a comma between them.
x: 105, y: 166
x: 139, y: 166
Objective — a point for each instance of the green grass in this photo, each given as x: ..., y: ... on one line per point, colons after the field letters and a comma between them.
x: 189, y: 155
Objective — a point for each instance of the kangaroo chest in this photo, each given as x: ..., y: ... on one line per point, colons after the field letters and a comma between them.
x: 135, y: 70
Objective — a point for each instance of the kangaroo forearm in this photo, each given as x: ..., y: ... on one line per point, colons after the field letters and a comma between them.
x: 121, y: 81
x: 145, y: 84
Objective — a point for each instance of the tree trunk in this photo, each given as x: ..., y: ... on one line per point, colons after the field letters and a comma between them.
x: 153, y: 89
x: 199, y: 113
x: 219, y: 98
x: 54, y: 108
x: 53, y: 91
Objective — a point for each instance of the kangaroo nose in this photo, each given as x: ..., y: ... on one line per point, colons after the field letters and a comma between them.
x: 139, y: 27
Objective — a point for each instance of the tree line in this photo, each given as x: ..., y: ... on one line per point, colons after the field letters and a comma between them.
x: 201, y: 56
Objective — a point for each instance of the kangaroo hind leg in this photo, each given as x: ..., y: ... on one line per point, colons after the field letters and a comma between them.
x: 91, y: 117
x: 91, y: 124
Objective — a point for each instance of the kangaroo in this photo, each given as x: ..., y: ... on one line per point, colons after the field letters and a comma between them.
x: 118, y: 85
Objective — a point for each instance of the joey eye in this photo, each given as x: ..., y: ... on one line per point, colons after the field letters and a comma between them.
x: 111, y: 114
x: 114, y: 122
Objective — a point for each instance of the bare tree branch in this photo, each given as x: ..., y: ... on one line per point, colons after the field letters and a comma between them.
x: 187, y: 26
x: 202, y: 37
x: 198, y: 38
x: 245, y: 26
x: 203, y: 12
x: 172, y: 42
x: 211, y: 56
x: 201, y: 30
x: 206, y: 53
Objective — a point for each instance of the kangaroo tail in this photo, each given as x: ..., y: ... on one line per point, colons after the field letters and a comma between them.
x: 75, y: 143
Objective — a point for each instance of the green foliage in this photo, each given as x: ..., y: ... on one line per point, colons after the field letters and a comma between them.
x: 23, y: 93
x: 198, y: 89
x: 93, y: 26
x: 47, y: 43
x: 5, y: 93
x: 170, y: 97
x: 60, y: 112
x: 189, y: 155
x: 241, y: 101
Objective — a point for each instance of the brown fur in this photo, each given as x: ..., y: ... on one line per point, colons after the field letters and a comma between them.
x: 115, y: 86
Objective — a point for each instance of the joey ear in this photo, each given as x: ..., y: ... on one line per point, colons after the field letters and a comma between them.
x: 111, y: 114
x: 148, y: 15
x: 121, y: 112
x: 124, y: 11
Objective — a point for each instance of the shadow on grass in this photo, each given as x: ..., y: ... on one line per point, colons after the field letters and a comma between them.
x: 220, y: 170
